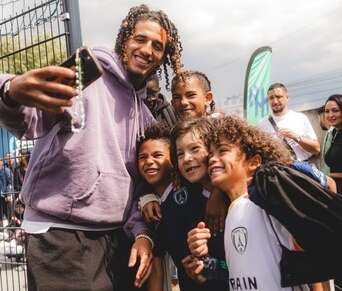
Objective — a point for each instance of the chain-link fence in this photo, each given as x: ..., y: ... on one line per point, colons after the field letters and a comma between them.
x: 32, y: 35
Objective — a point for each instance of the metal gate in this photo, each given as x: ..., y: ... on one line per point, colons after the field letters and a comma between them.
x: 32, y: 35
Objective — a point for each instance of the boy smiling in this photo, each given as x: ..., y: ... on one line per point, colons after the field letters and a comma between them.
x: 181, y: 207
x: 252, y: 238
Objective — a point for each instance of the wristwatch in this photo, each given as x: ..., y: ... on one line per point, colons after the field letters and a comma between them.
x: 5, y: 97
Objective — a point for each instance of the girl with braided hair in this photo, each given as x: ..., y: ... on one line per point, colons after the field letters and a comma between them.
x: 192, y: 96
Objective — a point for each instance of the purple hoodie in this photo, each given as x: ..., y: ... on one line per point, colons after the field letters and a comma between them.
x: 85, y: 178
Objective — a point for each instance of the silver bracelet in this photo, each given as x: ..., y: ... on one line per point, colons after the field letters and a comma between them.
x: 145, y: 236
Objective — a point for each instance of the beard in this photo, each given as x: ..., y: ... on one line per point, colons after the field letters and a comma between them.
x: 278, y: 109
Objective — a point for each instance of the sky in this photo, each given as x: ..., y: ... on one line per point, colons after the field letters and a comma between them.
x: 219, y: 37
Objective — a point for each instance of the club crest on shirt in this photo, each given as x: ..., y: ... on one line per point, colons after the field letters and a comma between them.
x: 181, y: 196
x: 239, y: 239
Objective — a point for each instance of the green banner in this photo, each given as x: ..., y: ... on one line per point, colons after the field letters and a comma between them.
x: 257, y: 81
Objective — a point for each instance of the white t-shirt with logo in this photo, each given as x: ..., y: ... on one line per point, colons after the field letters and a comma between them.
x: 252, y: 250
x: 298, y: 123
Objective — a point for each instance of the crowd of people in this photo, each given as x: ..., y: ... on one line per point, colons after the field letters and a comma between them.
x: 12, y: 172
x: 146, y: 179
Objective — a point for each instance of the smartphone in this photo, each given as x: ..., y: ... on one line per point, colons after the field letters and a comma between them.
x: 91, y: 67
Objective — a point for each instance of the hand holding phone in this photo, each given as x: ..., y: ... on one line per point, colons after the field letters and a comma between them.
x: 46, y: 89
x: 39, y: 88
x: 88, y: 69
x: 91, y: 68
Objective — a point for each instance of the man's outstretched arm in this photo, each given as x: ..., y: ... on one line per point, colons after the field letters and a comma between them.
x: 36, y: 89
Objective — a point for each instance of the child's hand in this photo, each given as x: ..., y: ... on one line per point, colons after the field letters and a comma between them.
x: 193, y: 268
x: 151, y: 212
x: 198, y: 240
x: 216, y: 211
x: 150, y: 208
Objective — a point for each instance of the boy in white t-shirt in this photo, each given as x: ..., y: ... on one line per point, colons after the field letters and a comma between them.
x: 252, y: 238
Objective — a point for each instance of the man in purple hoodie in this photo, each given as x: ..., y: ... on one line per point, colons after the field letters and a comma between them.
x: 78, y: 190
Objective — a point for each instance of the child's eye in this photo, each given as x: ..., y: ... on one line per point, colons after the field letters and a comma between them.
x: 195, y: 149
x: 179, y: 155
x: 224, y: 150
x: 191, y: 95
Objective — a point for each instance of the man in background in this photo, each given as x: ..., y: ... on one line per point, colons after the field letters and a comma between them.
x: 294, y: 128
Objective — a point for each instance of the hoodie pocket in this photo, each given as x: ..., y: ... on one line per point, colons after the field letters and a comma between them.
x: 39, y: 158
x: 104, y: 202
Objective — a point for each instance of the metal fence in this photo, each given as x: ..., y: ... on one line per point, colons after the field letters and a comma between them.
x: 36, y: 35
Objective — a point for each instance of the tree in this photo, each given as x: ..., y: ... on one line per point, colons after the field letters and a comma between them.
x: 44, y: 50
x: 16, y: 59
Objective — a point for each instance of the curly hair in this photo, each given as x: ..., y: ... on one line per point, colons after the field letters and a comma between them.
x: 200, y: 128
x: 249, y: 139
x: 201, y: 77
x: 173, y: 49
x: 155, y: 131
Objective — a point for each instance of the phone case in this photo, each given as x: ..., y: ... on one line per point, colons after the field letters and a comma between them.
x: 92, y: 69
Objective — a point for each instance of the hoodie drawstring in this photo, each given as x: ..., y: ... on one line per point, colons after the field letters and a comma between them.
x: 141, y: 123
x: 138, y: 118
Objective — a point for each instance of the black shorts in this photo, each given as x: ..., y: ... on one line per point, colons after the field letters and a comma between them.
x: 70, y: 260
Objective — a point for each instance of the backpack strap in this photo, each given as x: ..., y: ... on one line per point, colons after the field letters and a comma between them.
x: 276, y: 129
x: 274, y: 231
x: 273, y: 123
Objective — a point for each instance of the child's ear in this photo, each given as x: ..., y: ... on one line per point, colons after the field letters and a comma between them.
x: 254, y: 163
x: 209, y: 98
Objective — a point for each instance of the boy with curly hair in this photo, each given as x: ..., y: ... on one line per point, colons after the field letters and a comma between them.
x: 252, y: 237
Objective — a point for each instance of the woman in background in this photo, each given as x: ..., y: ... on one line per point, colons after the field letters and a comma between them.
x: 333, y: 156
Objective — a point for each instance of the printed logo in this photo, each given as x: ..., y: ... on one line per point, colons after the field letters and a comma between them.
x: 239, y: 239
x: 181, y: 196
